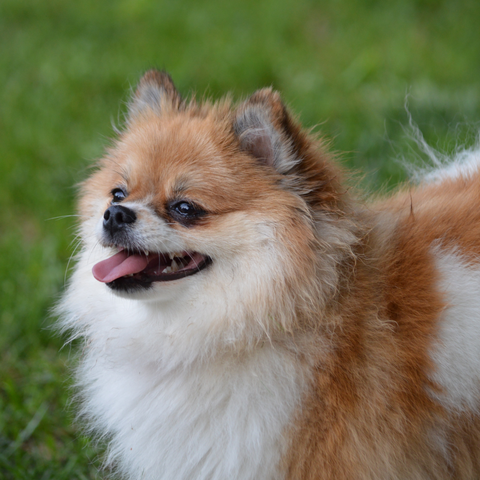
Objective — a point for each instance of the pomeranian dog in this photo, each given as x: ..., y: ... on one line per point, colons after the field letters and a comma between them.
x: 244, y: 316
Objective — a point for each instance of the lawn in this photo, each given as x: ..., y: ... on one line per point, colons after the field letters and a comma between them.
x: 346, y: 67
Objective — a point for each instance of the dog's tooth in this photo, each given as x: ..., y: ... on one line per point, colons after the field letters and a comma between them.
x: 171, y: 255
x: 174, y: 266
x: 167, y: 270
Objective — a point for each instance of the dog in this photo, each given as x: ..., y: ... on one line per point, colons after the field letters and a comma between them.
x: 247, y: 315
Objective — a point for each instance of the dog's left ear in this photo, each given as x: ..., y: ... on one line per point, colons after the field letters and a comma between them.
x: 266, y: 131
x: 156, y: 93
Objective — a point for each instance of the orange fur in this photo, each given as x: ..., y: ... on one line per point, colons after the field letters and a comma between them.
x: 369, y: 414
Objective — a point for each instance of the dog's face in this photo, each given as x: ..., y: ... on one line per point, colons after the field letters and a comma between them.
x: 201, y: 201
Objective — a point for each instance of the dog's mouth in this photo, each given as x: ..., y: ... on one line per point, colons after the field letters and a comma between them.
x: 128, y: 270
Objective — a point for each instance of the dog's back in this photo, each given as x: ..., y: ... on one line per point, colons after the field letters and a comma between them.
x: 403, y: 397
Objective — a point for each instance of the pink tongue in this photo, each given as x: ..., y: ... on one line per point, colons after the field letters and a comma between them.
x: 118, y: 266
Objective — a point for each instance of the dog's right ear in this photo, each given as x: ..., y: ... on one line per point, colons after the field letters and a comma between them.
x: 156, y: 93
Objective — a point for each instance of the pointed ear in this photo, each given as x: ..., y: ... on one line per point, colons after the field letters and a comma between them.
x: 265, y: 130
x: 155, y: 92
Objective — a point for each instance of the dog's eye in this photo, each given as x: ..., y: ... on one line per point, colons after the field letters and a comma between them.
x: 186, y: 209
x: 118, y: 195
x: 186, y: 213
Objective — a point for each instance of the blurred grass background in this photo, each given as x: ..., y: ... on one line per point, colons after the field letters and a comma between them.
x: 65, y: 72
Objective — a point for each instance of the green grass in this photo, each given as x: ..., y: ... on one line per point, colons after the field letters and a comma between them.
x: 65, y: 72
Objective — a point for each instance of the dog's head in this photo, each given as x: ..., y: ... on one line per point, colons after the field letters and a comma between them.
x: 207, y: 203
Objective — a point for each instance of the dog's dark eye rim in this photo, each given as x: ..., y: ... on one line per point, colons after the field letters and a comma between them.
x: 118, y: 194
x: 186, y: 209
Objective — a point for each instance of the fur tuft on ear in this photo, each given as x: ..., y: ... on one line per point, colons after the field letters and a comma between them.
x: 155, y: 92
x: 262, y: 126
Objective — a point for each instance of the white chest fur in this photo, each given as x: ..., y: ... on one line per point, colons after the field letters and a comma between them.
x: 167, y: 419
x: 212, y: 421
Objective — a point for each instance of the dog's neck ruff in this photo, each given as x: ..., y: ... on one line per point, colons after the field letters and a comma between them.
x: 170, y: 413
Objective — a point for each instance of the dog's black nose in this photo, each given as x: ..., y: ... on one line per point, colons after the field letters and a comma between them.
x: 117, y: 217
